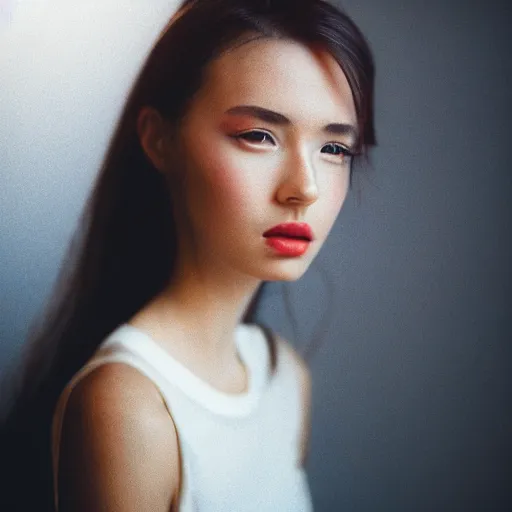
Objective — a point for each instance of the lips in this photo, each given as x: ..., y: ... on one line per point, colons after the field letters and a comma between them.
x: 295, y: 230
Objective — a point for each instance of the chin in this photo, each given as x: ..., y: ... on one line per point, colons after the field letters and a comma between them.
x: 285, y: 270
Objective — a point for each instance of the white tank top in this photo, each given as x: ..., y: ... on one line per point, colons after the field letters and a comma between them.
x: 238, y: 452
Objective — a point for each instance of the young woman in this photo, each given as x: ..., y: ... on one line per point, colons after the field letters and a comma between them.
x: 229, y: 166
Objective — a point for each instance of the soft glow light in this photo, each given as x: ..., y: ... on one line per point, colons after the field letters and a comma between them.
x: 66, y: 68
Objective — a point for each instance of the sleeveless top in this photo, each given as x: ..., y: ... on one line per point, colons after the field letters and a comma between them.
x: 239, y: 452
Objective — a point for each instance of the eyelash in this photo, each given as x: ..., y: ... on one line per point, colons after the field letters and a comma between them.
x: 344, y: 150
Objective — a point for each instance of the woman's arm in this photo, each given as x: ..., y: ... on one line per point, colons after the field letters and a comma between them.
x: 119, y: 448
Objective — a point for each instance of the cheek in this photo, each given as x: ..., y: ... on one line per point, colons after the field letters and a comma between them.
x: 332, y: 196
x: 340, y: 192
x: 223, y: 187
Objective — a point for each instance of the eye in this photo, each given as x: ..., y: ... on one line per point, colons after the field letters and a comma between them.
x: 255, y: 136
x: 339, y: 150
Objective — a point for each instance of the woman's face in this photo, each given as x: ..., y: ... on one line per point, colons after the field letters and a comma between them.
x: 274, y: 161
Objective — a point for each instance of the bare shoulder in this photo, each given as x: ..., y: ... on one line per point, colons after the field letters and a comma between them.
x: 305, y: 390
x: 303, y: 369
x: 119, y: 448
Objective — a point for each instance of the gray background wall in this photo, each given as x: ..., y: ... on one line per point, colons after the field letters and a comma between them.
x: 411, y: 386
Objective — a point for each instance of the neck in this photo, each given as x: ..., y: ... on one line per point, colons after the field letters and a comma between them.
x: 204, y: 307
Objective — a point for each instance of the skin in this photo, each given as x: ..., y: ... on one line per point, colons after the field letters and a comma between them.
x: 232, y: 190
x: 236, y: 189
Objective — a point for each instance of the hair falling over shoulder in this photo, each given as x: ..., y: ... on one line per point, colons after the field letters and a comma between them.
x: 125, y: 247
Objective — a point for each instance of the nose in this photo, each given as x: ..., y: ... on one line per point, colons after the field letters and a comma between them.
x: 299, y: 186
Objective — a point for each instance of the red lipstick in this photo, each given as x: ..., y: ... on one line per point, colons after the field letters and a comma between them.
x: 290, y: 238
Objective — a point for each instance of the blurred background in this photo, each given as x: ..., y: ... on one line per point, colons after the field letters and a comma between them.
x: 412, y: 395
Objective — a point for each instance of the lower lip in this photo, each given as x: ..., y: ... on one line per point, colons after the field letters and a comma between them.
x: 288, y: 246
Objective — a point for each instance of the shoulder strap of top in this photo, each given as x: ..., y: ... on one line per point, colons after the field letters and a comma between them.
x: 272, y: 344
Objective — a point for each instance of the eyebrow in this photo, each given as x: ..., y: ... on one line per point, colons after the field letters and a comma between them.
x: 269, y: 116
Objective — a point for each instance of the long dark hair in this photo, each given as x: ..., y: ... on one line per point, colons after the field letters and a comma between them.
x: 124, y: 251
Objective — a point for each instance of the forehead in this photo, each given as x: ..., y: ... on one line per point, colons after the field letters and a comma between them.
x: 306, y: 85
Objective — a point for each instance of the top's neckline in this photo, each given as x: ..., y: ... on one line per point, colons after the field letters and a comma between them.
x: 231, y: 404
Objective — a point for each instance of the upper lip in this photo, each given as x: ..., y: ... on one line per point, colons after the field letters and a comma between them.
x: 291, y: 229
